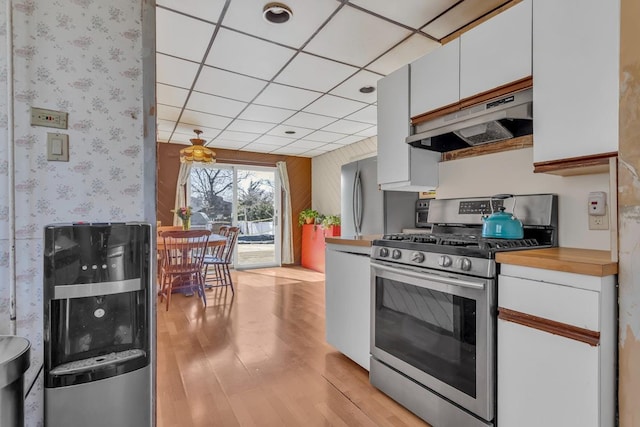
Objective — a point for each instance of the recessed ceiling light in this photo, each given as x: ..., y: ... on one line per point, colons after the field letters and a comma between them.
x: 276, y: 13
x: 289, y: 132
x: 367, y: 89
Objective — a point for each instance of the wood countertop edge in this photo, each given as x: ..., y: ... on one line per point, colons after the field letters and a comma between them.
x: 571, y: 260
x: 365, y: 241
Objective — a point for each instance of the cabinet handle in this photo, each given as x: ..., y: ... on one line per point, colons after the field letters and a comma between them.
x: 565, y: 330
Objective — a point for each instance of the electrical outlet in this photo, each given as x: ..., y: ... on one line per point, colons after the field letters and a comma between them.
x: 48, y: 118
x: 599, y: 222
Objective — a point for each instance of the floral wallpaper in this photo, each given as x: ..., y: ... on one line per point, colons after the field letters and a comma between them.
x: 83, y: 57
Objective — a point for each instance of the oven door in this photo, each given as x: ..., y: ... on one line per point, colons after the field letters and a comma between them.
x: 437, y: 329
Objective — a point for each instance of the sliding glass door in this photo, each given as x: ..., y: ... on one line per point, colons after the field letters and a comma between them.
x: 245, y: 196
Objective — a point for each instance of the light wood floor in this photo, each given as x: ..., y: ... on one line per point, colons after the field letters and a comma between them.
x: 260, y: 359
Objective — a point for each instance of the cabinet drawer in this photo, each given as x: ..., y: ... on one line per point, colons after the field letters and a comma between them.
x: 577, y: 307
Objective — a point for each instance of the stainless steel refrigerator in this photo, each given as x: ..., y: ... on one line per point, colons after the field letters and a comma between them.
x: 365, y: 209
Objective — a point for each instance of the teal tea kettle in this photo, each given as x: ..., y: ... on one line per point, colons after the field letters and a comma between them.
x: 502, y: 225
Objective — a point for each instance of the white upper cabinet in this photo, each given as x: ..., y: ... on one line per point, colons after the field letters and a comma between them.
x: 498, y: 51
x: 576, y: 54
x: 400, y: 166
x: 435, y: 79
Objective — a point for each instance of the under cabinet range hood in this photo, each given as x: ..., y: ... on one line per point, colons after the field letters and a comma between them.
x: 500, y: 118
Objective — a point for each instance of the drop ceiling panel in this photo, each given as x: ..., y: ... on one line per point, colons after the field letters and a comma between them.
x: 291, y: 150
x: 413, y: 13
x: 282, y: 129
x: 214, y: 104
x: 246, y: 16
x: 238, y: 136
x: 227, y: 84
x: 207, y: 132
x: 261, y: 148
x: 350, y: 139
x: 351, y: 88
x: 313, y: 153
x: 323, y: 136
x: 277, y: 141
x: 372, y: 131
x: 247, y: 55
x: 310, y: 121
x: 230, y: 145
x: 166, y: 125
x: 334, y: 106
x: 310, y: 72
x: 250, y: 126
x: 367, y: 115
x: 205, y: 9
x: 356, y: 37
x: 163, y: 136
x: 408, y: 51
x: 190, y: 117
x: 263, y: 113
x: 459, y: 16
x: 188, y: 37
x: 182, y: 138
x: 309, y: 145
x: 346, y: 127
x: 329, y: 147
x: 170, y: 95
x: 277, y: 95
x: 167, y: 112
x: 175, y: 71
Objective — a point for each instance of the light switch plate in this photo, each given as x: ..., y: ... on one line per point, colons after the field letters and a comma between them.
x: 57, y: 147
x: 48, y: 118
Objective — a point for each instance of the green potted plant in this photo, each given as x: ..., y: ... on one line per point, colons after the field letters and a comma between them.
x: 331, y: 225
x: 308, y: 216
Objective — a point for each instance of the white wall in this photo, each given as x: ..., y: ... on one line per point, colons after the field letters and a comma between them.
x: 84, y: 58
x: 512, y: 172
x: 325, y: 174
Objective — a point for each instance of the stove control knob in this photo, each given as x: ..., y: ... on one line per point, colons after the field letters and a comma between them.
x: 464, y: 264
x: 396, y: 254
x: 417, y: 257
x: 444, y: 261
x: 384, y: 252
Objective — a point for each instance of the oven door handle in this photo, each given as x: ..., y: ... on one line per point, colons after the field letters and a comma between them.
x: 426, y: 276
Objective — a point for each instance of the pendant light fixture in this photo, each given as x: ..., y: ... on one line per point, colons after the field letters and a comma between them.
x: 197, y: 152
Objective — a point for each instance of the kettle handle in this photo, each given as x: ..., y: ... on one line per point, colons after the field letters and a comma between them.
x: 505, y: 196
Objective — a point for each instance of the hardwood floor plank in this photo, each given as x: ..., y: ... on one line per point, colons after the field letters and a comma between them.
x: 260, y: 358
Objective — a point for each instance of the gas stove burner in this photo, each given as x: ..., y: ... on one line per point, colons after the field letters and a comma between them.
x: 424, y: 238
x: 397, y: 236
x: 510, y: 243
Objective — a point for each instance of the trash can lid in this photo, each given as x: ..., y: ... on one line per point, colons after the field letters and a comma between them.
x: 14, y: 358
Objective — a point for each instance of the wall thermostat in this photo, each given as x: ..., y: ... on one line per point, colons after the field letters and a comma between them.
x: 597, y: 203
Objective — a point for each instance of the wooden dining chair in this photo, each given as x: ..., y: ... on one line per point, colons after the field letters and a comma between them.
x: 183, y: 254
x: 219, y: 263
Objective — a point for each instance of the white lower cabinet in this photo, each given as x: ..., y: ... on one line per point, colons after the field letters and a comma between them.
x: 348, y: 301
x: 556, y: 349
x: 545, y: 379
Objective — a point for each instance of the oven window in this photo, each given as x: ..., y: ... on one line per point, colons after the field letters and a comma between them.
x: 432, y: 331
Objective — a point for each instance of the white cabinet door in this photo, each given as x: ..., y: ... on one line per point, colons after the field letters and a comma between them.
x: 348, y: 304
x: 435, y: 79
x: 576, y: 46
x: 393, y: 127
x: 546, y: 379
x: 496, y: 52
x: 400, y: 166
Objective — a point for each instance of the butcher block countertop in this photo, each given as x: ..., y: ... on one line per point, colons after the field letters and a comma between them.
x: 571, y: 260
x: 353, y: 240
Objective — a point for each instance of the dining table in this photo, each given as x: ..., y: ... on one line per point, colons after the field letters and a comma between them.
x: 215, y: 240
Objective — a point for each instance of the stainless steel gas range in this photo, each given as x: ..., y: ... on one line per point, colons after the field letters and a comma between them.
x: 433, y: 308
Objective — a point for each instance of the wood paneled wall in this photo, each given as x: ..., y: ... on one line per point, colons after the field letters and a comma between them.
x: 298, y: 169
